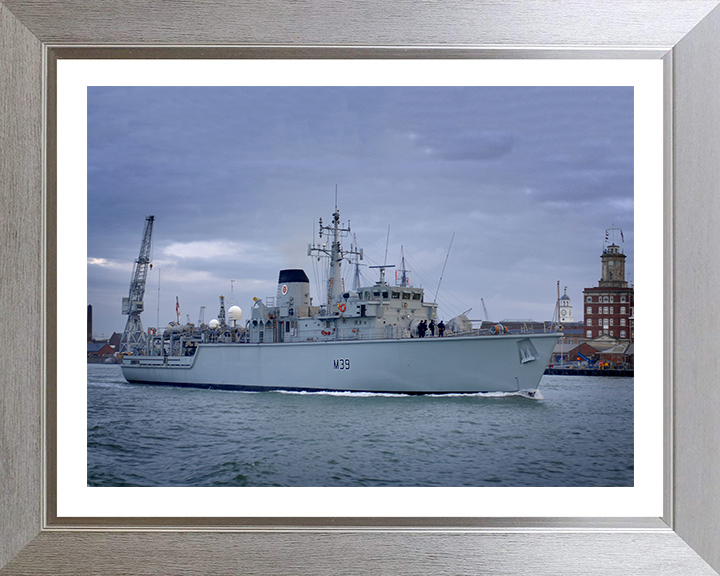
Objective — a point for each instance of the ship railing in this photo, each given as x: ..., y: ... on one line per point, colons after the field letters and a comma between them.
x: 473, y: 332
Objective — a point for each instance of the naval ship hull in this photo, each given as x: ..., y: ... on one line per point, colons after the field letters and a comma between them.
x: 468, y: 364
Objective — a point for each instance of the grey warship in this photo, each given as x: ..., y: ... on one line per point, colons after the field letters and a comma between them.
x: 365, y: 340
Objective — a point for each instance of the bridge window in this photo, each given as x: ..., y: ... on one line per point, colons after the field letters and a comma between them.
x: 406, y: 296
x: 385, y: 295
x: 396, y: 295
x: 416, y: 296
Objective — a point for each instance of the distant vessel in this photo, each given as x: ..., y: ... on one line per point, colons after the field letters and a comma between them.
x: 368, y: 340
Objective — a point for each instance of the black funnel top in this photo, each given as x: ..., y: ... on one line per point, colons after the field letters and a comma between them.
x: 288, y: 276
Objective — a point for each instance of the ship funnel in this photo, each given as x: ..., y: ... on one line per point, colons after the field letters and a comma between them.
x: 293, y: 291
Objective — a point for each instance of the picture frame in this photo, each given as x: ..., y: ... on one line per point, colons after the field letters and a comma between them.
x: 684, y: 34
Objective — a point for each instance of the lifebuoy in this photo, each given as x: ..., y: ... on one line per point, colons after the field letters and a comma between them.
x: 342, y: 307
x: 151, y: 331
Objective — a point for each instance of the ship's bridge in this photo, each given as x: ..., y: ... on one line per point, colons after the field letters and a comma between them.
x: 401, y: 294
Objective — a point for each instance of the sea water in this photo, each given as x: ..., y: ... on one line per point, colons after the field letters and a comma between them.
x: 577, y: 432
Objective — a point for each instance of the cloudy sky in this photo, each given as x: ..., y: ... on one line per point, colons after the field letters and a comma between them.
x: 527, y: 180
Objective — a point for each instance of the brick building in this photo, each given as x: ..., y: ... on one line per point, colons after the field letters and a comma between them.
x: 608, y: 307
x: 99, y: 349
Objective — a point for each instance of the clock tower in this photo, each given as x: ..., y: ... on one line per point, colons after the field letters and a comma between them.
x: 609, y: 307
x: 613, y: 268
x: 565, y: 308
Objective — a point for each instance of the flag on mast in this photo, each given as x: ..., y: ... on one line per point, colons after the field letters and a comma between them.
x: 177, y: 308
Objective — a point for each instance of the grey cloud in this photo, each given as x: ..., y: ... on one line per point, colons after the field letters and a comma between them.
x: 527, y: 177
x: 469, y: 145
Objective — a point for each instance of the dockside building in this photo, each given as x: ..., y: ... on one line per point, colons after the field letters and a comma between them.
x: 609, y: 306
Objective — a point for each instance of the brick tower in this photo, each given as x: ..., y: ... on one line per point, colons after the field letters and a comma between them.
x: 608, y: 307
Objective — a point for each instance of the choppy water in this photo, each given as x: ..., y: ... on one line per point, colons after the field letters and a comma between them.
x: 578, y: 432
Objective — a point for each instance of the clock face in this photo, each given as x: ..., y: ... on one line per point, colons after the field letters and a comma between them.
x: 563, y: 312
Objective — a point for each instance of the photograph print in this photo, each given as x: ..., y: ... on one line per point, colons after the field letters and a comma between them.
x: 360, y: 286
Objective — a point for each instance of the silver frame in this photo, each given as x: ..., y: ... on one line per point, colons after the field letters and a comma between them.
x: 684, y: 33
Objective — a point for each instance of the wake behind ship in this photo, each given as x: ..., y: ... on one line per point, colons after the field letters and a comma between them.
x: 373, y: 339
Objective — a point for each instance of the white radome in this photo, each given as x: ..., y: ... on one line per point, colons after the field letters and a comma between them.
x: 235, y: 313
x: 213, y: 324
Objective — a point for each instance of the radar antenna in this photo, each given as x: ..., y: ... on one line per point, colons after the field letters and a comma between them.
x: 133, y: 339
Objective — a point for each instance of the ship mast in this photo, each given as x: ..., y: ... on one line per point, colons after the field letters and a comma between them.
x: 382, y: 282
x: 403, y: 276
x: 356, y: 282
x: 336, y: 254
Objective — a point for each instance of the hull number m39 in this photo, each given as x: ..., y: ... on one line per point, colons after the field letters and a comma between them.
x: 341, y: 363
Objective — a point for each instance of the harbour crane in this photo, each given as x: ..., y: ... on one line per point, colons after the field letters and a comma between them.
x: 133, y: 339
x: 485, y: 312
x: 221, y: 314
